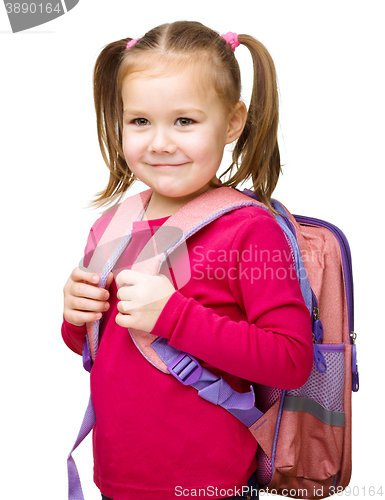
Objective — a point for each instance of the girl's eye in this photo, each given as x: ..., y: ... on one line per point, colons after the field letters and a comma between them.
x: 183, y: 122
x: 140, y: 121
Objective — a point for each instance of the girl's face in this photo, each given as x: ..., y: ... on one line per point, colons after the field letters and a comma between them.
x: 175, y: 131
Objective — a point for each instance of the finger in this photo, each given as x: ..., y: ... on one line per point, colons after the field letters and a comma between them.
x: 126, y: 293
x: 125, y: 306
x: 89, y: 291
x: 80, y: 275
x: 128, y: 277
x: 124, y: 320
x: 80, y: 318
x: 88, y: 305
x: 133, y: 321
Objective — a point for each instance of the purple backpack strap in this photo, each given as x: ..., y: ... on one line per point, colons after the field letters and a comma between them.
x: 75, y: 491
x: 187, y: 370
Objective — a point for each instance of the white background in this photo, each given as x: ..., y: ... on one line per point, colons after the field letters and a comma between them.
x: 329, y: 57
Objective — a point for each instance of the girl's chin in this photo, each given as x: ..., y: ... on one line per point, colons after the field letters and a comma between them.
x: 181, y: 192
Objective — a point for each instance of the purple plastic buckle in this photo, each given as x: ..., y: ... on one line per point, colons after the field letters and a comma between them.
x: 87, y: 360
x: 185, y: 368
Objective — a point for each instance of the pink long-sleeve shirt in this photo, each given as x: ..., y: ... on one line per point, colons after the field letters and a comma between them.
x: 242, y: 314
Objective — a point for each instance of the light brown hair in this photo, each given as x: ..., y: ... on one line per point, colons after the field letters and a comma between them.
x: 255, y: 154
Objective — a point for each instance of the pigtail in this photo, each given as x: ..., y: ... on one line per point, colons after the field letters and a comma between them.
x: 108, y: 108
x: 257, y: 147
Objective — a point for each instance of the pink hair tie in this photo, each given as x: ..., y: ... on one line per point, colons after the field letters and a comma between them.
x: 131, y: 43
x: 232, y: 39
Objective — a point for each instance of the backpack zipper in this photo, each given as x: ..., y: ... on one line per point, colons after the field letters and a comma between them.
x: 346, y: 261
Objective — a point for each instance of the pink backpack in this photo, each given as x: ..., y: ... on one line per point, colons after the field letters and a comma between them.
x: 303, y: 435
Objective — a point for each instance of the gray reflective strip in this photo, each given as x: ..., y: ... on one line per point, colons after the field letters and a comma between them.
x: 293, y: 403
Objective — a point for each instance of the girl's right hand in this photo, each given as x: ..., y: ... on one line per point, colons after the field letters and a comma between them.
x: 84, y: 301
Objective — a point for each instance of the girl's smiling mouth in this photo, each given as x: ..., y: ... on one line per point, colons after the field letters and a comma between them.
x: 167, y: 165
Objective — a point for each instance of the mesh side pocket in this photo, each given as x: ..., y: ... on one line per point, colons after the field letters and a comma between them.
x: 326, y: 388
x: 264, y: 470
x: 265, y: 398
x: 312, y: 426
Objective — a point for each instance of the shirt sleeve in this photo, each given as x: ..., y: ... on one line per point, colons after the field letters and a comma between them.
x: 73, y: 336
x: 273, y: 345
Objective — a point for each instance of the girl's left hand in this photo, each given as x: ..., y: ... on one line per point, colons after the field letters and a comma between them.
x: 142, y: 299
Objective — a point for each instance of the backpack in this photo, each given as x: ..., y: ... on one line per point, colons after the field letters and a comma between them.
x: 303, y: 435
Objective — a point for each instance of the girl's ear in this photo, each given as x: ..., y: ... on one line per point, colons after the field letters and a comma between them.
x: 237, y: 122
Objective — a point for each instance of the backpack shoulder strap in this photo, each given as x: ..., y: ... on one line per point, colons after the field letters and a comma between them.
x: 114, y: 240
x: 181, y: 225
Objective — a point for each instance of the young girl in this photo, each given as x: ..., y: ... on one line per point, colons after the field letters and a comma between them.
x: 167, y: 104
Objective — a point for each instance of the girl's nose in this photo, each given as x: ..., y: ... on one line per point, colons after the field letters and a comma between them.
x: 161, y: 142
